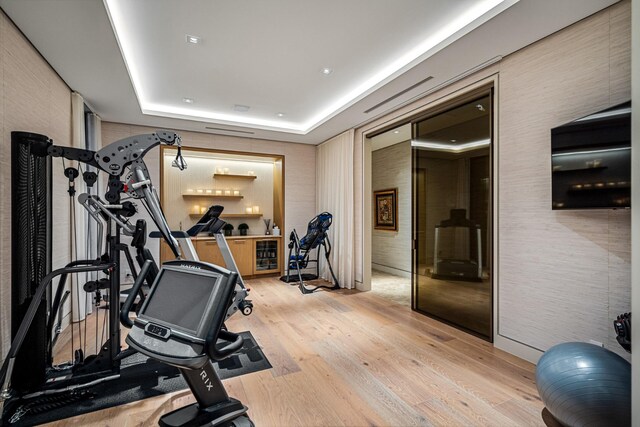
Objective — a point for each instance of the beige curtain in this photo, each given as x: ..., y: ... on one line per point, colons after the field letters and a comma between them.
x: 334, y: 194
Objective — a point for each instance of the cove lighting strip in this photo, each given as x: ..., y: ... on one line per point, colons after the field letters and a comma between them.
x: 473, y: 17
x: 459, y: 148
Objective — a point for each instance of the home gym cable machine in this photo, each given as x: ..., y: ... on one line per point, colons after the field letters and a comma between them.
x: 28, y: 371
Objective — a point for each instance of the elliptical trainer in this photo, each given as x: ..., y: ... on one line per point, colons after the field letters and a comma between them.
x: 181, y: 324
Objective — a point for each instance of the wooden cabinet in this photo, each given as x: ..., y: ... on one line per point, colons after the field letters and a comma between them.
x: 242, y: 251
x: 254, y: 256
x: 208, y: 251
x: 165, y: 252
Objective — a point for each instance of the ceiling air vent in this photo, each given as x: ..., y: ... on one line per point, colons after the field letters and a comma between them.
x: 230, y: 130
x: 402, y: 92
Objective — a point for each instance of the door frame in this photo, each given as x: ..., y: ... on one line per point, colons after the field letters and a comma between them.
x: 401, y: 118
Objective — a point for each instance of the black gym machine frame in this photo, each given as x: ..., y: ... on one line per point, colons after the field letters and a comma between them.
x: 42, y: 377
x: 26, y: 373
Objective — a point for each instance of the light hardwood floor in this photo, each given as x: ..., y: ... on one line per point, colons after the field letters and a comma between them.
x: 354, y: 359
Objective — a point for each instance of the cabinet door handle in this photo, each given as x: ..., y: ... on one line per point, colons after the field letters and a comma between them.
x: 239, y: 242
x: 210, y: 243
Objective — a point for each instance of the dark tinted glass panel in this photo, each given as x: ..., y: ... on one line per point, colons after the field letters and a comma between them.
x: 452, y: 216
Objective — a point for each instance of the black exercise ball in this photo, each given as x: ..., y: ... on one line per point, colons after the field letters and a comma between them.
x: 583, y: 384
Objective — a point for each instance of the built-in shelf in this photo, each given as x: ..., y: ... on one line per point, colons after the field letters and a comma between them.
x: 216, y: 196
x: 230, y: 216
x: 226, y: 175
x: 598, y: 168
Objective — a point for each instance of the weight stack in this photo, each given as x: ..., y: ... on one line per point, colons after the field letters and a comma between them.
x: 31, y: 208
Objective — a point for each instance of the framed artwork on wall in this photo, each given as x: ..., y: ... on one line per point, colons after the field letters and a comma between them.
x: 385, y: 205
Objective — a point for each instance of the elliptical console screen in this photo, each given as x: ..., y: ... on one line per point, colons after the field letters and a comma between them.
x: 180, y: 298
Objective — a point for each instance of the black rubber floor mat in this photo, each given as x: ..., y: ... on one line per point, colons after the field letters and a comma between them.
x: 140, y: 378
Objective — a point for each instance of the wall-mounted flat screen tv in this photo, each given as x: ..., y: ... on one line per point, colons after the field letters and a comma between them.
x: 591, y: 161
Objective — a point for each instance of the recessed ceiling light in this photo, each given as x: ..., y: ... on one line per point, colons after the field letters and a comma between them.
x: 396, y: 131
x: 188, y: 100
x: 280, y: 114
x: 454, y: 140
x: 193, y: 39
x: 241, y: 108
x: 326, y: 71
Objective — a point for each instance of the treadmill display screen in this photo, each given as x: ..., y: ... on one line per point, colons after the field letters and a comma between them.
x: 181, y: 298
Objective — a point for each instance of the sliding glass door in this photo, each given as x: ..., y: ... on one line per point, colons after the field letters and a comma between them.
x: 452, y: 217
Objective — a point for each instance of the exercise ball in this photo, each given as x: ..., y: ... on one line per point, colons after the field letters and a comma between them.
x: 583, y: 384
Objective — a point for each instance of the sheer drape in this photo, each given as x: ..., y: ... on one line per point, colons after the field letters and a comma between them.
x: 334, y: 194
x: 94, y: 143
x: 83, y: 239
x: 95, y: 247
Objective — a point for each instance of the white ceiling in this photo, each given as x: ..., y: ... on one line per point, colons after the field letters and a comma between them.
x: 268, y: 56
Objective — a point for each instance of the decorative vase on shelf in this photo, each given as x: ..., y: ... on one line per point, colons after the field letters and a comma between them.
x: 267, y: 221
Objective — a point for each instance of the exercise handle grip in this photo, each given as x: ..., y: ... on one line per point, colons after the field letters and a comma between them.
x: 137, y: 185
x: 236, y: 342
x: 126, y: 308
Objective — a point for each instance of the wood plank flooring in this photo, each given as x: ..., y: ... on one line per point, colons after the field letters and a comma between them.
x: 83, y: 335
x: 348, y: 358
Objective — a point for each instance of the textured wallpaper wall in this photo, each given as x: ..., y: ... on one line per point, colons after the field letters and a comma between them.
x: 391, y: 168
x: 299, y: 168
x: 34, y: 99
x: 550, y: 263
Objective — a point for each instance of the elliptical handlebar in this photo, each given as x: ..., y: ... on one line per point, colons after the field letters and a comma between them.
x: 216, y: 330
x: 236, y: 343
x: 125, y: 320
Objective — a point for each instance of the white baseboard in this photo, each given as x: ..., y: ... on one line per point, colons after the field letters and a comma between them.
x: 520, y: 350
x: 391, y: 270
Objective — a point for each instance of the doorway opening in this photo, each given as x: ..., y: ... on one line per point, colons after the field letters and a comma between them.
x: 391, y: 234
x: 452, y: 215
